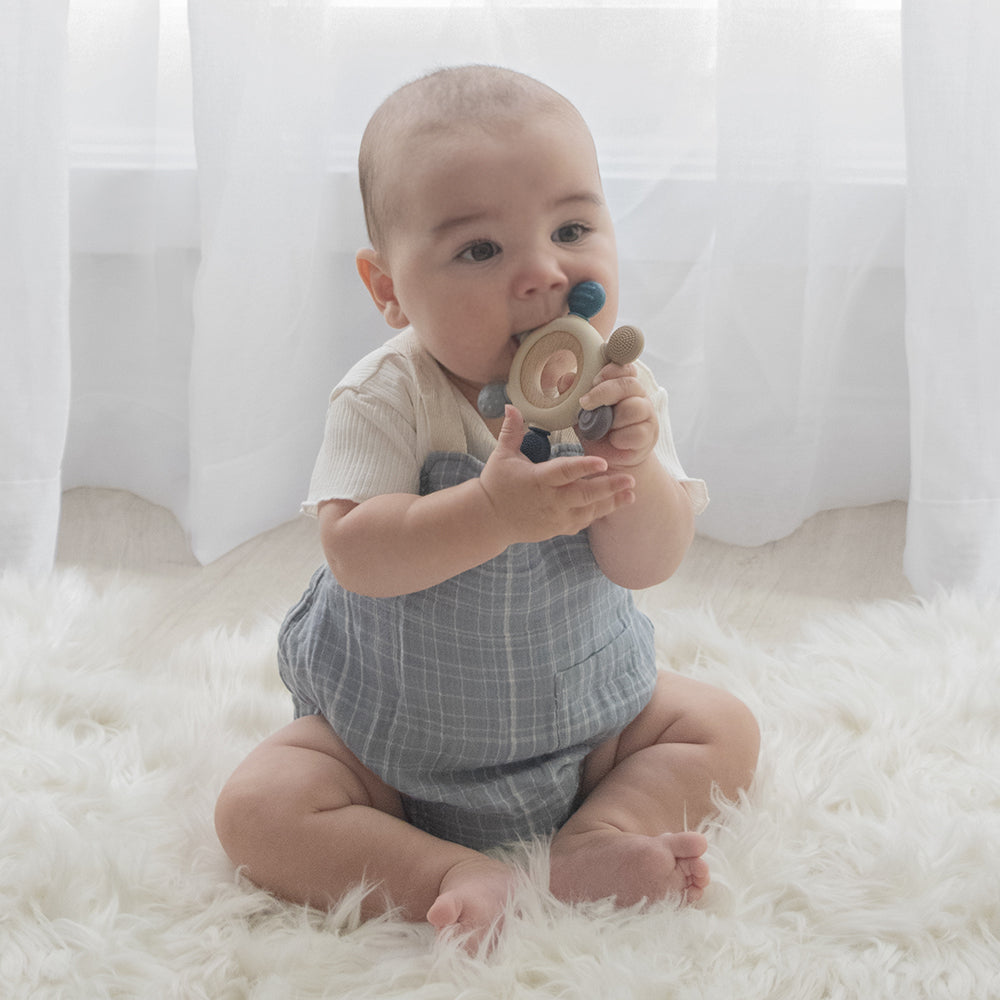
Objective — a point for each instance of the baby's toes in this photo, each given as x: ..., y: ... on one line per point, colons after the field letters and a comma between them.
x: 685, y: 845
x: 445, y: 911
x: 475, y: 926
x: 696, y: 876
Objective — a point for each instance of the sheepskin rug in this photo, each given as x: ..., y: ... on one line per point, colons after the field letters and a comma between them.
x: 863, y: 863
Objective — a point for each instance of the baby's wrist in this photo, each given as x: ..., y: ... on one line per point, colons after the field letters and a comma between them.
x: 490, y: 519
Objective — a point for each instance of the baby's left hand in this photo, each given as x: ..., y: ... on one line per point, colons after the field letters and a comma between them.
x: 635, y: 428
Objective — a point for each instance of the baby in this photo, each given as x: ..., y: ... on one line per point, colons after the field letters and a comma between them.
x: 469, y: 669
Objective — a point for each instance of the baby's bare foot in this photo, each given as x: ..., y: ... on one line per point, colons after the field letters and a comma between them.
x: 605, y: 862
x: 471, y: 901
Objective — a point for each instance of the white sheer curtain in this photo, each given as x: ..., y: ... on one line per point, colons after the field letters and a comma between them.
x: 803, y: 391
x: 953, y: 292
x: 135, y: 249
x: 755, y: 159
x: 273, y: 326
x: 34, y: 279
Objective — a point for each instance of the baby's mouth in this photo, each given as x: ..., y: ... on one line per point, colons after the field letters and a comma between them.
x: 519, y: 337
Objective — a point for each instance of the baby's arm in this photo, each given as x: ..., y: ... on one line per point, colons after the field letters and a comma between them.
x: 643, y: 544
x: 399, y: 543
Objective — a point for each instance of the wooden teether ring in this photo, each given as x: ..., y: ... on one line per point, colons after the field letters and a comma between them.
x: 550, y: 410
x: 553, y: 411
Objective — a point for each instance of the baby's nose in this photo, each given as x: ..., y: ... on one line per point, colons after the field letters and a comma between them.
x: 540, y: 273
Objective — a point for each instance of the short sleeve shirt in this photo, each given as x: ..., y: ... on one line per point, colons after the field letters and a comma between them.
x: 396, y: 406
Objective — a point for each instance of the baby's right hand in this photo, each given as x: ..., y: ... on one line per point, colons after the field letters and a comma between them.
x: 560, y: 497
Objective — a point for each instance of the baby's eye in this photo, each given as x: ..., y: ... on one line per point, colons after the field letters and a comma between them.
x: 572, y: 232
x: 480, y: 251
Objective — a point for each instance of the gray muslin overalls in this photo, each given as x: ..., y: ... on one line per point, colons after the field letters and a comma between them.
x: 477, y: 699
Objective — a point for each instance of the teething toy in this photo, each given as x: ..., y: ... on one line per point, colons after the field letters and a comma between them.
x: 556, y: 365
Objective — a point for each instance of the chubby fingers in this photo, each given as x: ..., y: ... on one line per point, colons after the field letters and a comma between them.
x: 612, y: 384
x: 635, y: 428
x: 585, y: 486
x: 595, y: 503
x: 570, y: 469
x: 511, y: 431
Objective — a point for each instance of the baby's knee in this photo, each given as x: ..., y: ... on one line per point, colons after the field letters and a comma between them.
x: 260, y: 798
x: 242, y: 812
x: 737, y: 730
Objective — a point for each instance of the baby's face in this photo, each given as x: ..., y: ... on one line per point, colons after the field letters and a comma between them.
x: 490, y: 232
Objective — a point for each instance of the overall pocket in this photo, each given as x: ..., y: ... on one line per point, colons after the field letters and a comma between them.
x: 599, y: 696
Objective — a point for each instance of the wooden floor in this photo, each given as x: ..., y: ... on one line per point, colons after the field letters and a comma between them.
x: 835, y: 560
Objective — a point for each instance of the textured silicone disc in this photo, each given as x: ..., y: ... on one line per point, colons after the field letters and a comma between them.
x: 624, y: 345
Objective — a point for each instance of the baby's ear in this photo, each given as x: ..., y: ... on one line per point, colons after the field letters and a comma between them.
x: 378, y: 281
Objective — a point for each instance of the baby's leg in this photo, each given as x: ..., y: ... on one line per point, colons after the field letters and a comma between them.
x: 647, y: 788
x: 308, y: 822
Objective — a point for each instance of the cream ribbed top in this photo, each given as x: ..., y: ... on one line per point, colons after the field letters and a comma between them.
x: 396, y: 405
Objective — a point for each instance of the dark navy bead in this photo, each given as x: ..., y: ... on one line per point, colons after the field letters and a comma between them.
x: 536, y: 445
x: 586, y: 299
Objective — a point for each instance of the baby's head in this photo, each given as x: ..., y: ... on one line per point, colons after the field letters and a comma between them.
x: 484, y: 206
x: 457, y: 99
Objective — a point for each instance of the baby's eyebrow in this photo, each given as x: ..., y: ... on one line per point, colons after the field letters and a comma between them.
x: 589, y: 197
x: 470, y: 218
x: 456, y: 222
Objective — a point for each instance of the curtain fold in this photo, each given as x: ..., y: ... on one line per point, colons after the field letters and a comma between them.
x: 256, y: 180
x: 953, y: 292
x: 134, y: 249
x: 34, y: 280
x: 271, y: 327
x: 803, y: 403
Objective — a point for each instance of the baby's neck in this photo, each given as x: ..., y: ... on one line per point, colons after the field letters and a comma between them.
x: 470, y: 390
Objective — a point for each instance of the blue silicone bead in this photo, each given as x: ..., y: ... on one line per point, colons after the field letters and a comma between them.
x: 586, y: 299
x: 492, y: 400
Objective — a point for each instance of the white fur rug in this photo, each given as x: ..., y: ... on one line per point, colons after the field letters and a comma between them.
x: 865, y: 863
